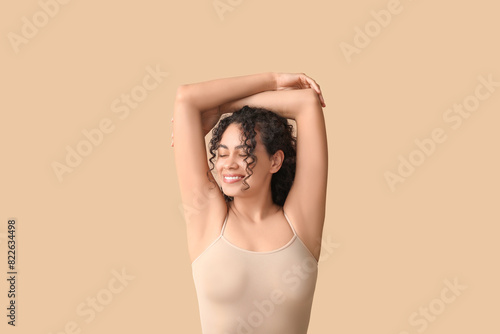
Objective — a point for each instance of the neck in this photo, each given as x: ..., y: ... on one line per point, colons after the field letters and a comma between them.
x: 254, y: 209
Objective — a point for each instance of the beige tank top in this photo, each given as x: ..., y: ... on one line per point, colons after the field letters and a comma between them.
x: 246, y: 292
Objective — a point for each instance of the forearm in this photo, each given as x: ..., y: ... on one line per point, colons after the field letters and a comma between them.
x: 287, y: 103
x: 211, y: 94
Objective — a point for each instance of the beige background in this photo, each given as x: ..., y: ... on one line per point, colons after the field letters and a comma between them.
x: 387, y: 253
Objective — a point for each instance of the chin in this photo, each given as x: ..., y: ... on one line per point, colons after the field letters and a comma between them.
x: 230, y: 193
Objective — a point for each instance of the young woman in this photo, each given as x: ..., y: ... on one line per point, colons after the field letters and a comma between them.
x: 255, y: 216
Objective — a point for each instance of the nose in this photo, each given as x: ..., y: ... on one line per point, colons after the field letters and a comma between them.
x: 230, y: 162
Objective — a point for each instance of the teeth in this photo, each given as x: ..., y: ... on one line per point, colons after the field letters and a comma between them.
x: 233, y: 177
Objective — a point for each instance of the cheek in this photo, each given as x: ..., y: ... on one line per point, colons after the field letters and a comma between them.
x: 217, y: 164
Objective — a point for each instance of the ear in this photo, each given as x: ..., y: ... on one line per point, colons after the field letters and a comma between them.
x: 277, y: 161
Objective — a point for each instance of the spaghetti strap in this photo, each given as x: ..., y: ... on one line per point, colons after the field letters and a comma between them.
x: 224, y: 225
x: 288, y: 220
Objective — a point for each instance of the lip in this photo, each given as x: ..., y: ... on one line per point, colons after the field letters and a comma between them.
x: 232, y: 175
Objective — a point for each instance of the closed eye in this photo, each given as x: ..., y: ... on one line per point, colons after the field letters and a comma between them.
x: 225, y: 155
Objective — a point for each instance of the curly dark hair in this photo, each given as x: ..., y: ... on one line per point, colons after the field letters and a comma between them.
x: 275, y: 134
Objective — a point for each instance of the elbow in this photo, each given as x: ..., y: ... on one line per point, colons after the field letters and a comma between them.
x: 312, y: 98
x: 182, y: 95
x: 307, y: 98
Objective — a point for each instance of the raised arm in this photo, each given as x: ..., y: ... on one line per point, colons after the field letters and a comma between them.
x: 196, y: 111
x: 210, y: 94
x: 306, y: 201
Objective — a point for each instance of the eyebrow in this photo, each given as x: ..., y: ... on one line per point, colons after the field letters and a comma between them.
x: 237, y: 147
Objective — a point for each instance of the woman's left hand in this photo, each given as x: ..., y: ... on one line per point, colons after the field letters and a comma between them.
x: 298, y: 81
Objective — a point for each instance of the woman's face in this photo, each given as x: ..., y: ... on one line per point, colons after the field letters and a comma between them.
x: 231, y: 165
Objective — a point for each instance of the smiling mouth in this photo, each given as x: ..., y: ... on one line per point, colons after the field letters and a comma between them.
x: 232, y: 178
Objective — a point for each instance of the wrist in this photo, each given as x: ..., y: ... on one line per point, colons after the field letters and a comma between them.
x: 273, y: 79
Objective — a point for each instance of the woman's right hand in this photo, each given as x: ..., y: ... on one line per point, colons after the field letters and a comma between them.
x: 286, y: 81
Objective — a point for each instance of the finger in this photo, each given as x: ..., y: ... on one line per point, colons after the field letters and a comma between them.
x: 308, y: 82
x: 322, y: 100
x: 317, y: 88
x: 313, y: 84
